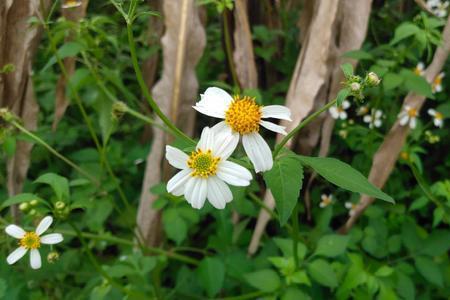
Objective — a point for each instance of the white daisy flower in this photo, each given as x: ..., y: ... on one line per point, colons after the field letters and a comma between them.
x: 32, y: 240
x: 438, y: 7
x: 243, y: 117
x: 351, y: 208
x: 438, y: 118
x: 419, y: 69
x: 408, y: 115
x: 326, y: 200
x: 436, y: 86
x: 339, y: 112
x: 205, y: 172
x: 374, y: 118
x: 71, y: 3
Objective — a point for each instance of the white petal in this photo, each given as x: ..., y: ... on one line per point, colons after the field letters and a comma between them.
x: 276, y: 112
x: 343, y: 115
x: 431, y: 112
x: 15, y: 231
x: 334, y: 112
x: 404, y: 120
x: 176, y: 157
x: 322, y: 204
x: 367, y: 118
x: 225, y: 144
x: 258, y: 151
x: 348, y: 205
x: 35, y: 259
x: 52, y: 238
x: 16, y: 255
x: 378, y: 114
x: 345, y: 104
x: 412, y: 123
x: 438, y: 123
x: 323, y: 197
x: 195, y: 192
x: 234, y: 174
x: 44, y: 225
x: 221, y: 128
x: 377, y: 123
x: 219, y: 194
x: 273, y: 127
x: 206, y: 139
x: 214, y: 102
x: 177, y: 183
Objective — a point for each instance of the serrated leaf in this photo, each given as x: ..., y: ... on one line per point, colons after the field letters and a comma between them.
x: 59, y: 184
x: 391, y: 81
x: 285, y: 181
x: 416, y: 83
x: 25, y: 197
x: 404, y: 31
x: 341, y: 96
x: 266, y: 280
x: 429, y: 270
x: 332, y: 245
x: 211, y: 274
x: 287, y: 249
x: 347, y: 69
x: 322, y: 272
x: 344, y: 176
x: 174, y: 225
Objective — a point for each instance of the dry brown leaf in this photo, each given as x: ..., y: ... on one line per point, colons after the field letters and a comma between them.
x: 18, y: 44
x: 243, y: 56
x: 386, y: 156
x: 175, y: 93
x: 61, y: 102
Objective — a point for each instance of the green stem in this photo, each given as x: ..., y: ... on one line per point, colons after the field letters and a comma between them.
x: 302, y: 124
x: 117, y: 240
x: 295, y: 239
x: 54, y: 152
x: 272, y: 214
x: 145, y: 91
x: 423, y: 185
x: 229, y: 50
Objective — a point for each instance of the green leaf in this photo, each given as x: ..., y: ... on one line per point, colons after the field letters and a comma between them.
x: 429, y: 270
x: 332, y: 245
x: 358, y: 54
x: 384, y: 271
x: 347, y: 69
x: 69, y: 49
x: 285, y: 246
x: 59, y: 184
x: 211, y: 273
x: 391, y: 81
x: 25, y: 197
x: 285, y: 181
x: 341, y: 96
x: 266, y: 280
x: 405, y: 287
x: 438, y: 215
x: 174, y: 225
x: 344, y: 176
x: 322, y: 272
x: 437, y: 243
x: 404, y: 31
x: 416, y: 83
x: 293, y: 293
x: 9, y: 145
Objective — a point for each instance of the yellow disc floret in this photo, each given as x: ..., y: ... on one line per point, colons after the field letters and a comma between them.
x: 243, y: 115
x: 30, y: 241
x: 203, y: 164
x: 412, y: 112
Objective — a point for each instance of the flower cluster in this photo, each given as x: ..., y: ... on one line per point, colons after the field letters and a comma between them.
x: 206, y: 172
x: 327, y: 200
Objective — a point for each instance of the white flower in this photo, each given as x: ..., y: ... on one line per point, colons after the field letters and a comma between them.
x: 436, y: 86
x: 326, y: 200
x: 71, y: 3
x: 438, y: 7
x: 438, y: 118
x: 351, y: 207
x: 32, y: 240
x: 408, y: 115
x: 243, y: 117
x: 339, y: 112
x: 204, y: 173
x: 420, y: 69
x: 374, y: 118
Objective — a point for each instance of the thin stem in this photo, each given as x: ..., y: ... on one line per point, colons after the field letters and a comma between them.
x: 302, y: 124
x: 145, y: 91
x: 273, y: 214
x: 54, y: 152
x: 229, y: 50
x: 295, y: 239
x: 117, y: 240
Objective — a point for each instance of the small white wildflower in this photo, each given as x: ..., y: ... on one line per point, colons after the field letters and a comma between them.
x: 438, y: 118
x: 436, y: 86
x: 339, y: 112
x: 32, y: 240
x: 408, y: 116
x: 326, y: 200
x: 374, y: 118
x: 438, y: 7
x: 351, y: 207
x: 419, y: 69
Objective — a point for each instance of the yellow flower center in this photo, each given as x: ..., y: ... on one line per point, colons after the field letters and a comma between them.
x: 203, y: 164
x: 438, y: 116
x: 437, y: 81
x: 326, y: 201
x: 30, y: 241
x: 243, y: 115
x: 418, y: 71
x: 412, y: 112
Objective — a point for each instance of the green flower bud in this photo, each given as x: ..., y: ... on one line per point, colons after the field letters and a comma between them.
x: 355, y: 87
x: 34, y: 202
x: 24, y: 206
x: 372, y: 79
x: 32, y: 212
x: 52, y: 257
x: 60, y: 205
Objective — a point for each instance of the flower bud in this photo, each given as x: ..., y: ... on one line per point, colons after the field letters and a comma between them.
x: 372, y: 79
x: 24, y: 206
x: 118, y: 109
x: 34, y: 202
x: 52, y: 257
x: 355, y: 87
x: 60, y: 205
x: 32, y: 212
x: 404, y: 155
